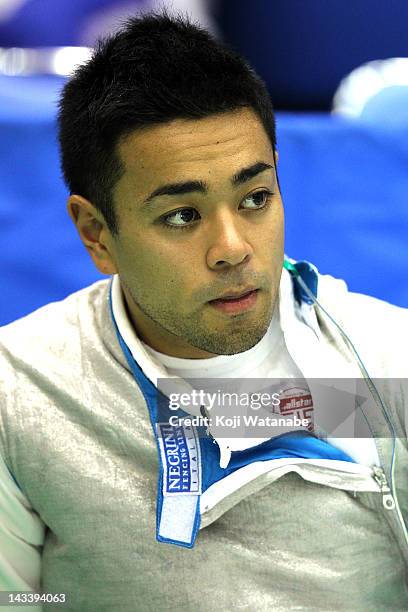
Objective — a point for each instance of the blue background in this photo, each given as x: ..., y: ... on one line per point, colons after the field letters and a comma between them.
x: 303, y: 48
x: 344, y: 185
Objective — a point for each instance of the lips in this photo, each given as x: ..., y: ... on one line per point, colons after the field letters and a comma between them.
x: 231, y: 295
x: 231, y: 306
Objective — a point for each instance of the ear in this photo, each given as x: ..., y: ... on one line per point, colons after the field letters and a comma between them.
x: 93, y: 232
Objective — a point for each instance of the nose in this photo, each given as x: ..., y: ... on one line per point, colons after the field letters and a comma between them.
x: 227, y: 243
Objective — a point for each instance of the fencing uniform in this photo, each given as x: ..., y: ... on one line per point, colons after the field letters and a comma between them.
x: 81, y: 508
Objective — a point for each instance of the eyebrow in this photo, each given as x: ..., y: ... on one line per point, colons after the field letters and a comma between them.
x: 246, y: 174
x: 239, y: 178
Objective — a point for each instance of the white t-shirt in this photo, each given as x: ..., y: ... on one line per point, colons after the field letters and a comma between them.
x: 268, y: 359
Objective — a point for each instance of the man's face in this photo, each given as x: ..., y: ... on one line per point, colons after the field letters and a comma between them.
x: 212, y: 230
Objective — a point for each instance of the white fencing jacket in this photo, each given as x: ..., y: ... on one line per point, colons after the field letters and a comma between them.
x: 81, y: 510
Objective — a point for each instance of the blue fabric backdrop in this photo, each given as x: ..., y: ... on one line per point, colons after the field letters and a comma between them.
x: 303, y: 48
x: 72, y: 21
x: 344, y: 185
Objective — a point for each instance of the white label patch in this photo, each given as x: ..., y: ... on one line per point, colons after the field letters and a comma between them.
x: 180, y: 454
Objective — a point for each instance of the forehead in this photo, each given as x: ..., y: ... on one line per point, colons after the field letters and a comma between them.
x: 212, y: 148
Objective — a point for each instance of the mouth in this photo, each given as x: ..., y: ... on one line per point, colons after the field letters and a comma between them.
x: 235, y: 304
x: 235, y: 295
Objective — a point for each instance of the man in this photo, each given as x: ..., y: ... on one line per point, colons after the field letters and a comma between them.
x: 168, y: 149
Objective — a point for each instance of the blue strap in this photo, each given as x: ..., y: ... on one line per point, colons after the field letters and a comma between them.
x: 293, y: 444
x: 309, y: 275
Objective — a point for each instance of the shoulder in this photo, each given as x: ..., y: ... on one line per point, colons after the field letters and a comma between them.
x: 51, y: 343
x: 377, y: 328
x: 50, y: 351
x: 360, y: 309
x: 56, y: 323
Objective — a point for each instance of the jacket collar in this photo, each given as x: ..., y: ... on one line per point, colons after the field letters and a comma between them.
x: 290, y: 311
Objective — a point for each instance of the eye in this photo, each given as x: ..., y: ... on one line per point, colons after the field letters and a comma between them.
x: 180, y: 218
x: 184, y: 218
x: 259, y: 198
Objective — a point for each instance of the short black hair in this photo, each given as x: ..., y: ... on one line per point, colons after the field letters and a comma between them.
x: 156, y: 68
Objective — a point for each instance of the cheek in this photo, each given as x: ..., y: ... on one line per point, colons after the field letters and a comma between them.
x: 152, y: 264
x: 269, y: 235
x: 277, y: 226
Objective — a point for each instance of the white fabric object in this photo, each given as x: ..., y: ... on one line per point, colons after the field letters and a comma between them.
x: 21, y: 529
